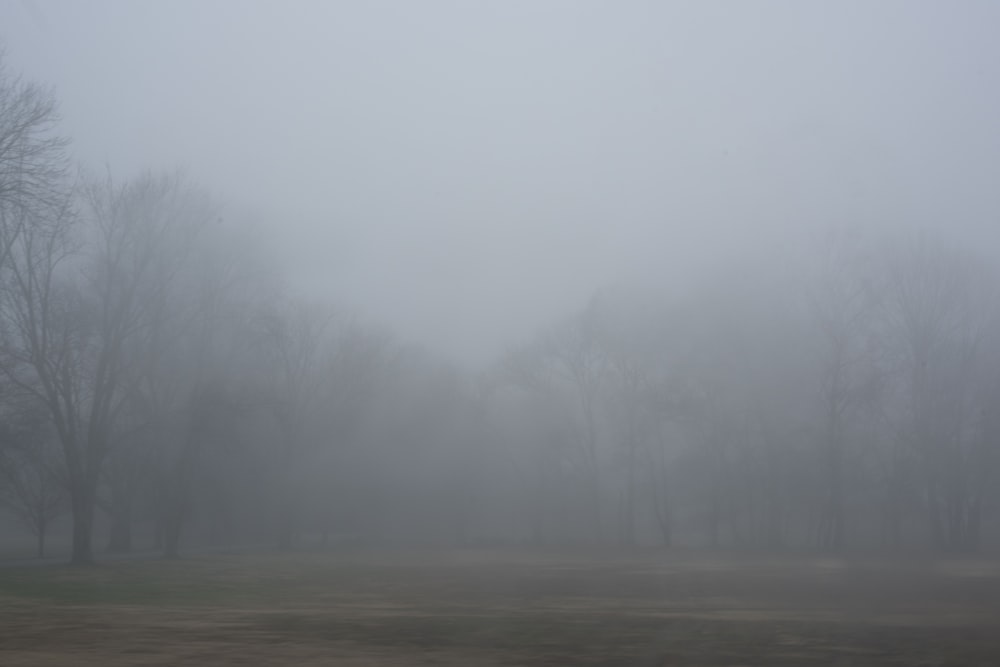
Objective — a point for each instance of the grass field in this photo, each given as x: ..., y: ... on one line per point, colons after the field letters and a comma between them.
x: 501, y: 608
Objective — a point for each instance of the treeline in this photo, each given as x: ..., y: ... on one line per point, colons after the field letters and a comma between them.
x: 851, y: 401
x: 158, y: 383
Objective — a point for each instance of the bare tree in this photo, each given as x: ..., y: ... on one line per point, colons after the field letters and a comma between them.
x: 32, y: 482
x: 561, y: 374
x: 364, y: 361
x: 78, y: 292
x: 295, y: 345
x: 843, y: 307
x: 34, y: 202
x: 188, y: 380
x: 619, y: 333
x: 939, y: 305
x: 32, y: 156
x: 47, y: 334
x: 578, y: 361
x: 170, y: 217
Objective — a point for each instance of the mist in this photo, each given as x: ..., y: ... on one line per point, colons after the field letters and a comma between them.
x: 654, y: 280
x: 465, y: 173
x: 560, y: 332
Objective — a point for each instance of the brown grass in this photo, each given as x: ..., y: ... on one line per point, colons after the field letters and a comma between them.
x: 502, y: 608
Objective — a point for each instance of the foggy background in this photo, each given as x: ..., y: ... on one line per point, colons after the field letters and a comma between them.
x: 708, y: 274
x: 467, y: 172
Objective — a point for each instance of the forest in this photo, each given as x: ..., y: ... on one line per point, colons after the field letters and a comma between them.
x: 162, y: 387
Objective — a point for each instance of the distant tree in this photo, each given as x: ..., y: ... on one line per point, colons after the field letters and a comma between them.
x: 190, y: 376
x: 365, y: 362
x: 843, y: 307
x: 294, y: 341
x: 580, y: 364
x: 660, y: 402
x: 560, y: 375
x: 623, y: 333
x: 939, y: 305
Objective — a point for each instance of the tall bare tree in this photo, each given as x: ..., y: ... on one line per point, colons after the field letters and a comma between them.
x: 32, y: 482
x: 78, y: 292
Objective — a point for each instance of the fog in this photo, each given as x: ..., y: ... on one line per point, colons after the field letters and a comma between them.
x: 553, y: 272
x: 465, y: 172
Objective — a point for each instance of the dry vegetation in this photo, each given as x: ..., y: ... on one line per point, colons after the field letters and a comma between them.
x: 501, y: 608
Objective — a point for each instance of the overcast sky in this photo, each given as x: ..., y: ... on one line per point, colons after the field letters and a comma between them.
x: 467, y: 172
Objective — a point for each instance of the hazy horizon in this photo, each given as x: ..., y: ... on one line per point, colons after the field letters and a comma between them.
x: 469, y: 172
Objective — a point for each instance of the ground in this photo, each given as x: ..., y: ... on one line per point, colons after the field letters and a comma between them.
x: 502, y: 608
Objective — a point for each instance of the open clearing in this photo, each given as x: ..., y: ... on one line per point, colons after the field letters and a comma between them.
x: 502, y: 608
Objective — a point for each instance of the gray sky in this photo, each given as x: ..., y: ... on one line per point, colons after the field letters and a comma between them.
x: 468, y: 171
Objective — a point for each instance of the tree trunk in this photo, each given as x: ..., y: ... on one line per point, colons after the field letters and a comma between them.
x: 82, y: 498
